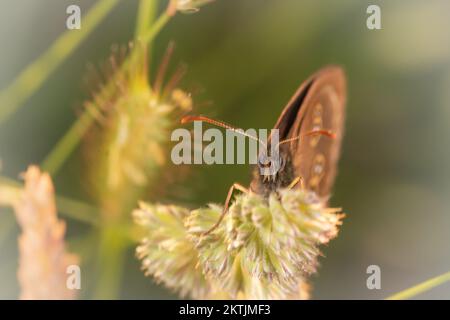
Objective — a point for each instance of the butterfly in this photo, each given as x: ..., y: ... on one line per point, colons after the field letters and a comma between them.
x: 310, y: 131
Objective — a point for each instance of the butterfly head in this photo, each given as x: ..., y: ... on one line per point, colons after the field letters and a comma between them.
x: 272, y: 172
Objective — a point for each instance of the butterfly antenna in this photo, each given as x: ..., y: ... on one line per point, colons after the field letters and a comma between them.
x: 221, y: 124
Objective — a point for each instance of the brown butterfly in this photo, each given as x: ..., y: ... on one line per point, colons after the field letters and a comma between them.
x: 310, y: 133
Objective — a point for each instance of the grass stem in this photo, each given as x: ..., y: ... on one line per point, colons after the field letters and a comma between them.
x: 115, y: 239
x: 145, y: 17
x: 67, y: 207
x: 35, y: 74
x: 70, y: 140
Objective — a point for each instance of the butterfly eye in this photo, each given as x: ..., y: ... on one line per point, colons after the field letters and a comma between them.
x: 263, y: 162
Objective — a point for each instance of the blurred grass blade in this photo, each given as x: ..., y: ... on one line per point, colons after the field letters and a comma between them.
x: 148, y: 36
x: 67, y: 143
x: 31, y: 79
x: 111, y: 255
x: 146, y: 16
x: 113, y: 241
x: 71, y: 138
x: 77, y: 210
x: 421, y: 287
x: 67, y: 207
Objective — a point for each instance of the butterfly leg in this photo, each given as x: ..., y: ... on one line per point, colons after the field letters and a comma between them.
x: 296, y: 181
x: 236, y: 186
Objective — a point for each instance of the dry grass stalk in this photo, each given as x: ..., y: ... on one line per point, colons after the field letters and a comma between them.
x: 43, y: 257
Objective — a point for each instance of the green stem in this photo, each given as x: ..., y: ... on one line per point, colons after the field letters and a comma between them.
x: 67, y: 143
x: 421, y: 287
x: 7, y: 225
x: 71, y: 139
x: 77, y: 210
x: 35, y: 74
x: 115, y: 237
x: 111, y: 257
x: 146, y: 15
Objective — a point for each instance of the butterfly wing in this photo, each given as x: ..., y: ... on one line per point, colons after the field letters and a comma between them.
x: 319, y: 103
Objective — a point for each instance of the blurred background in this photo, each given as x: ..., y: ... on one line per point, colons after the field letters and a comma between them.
x: 247, y: 57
